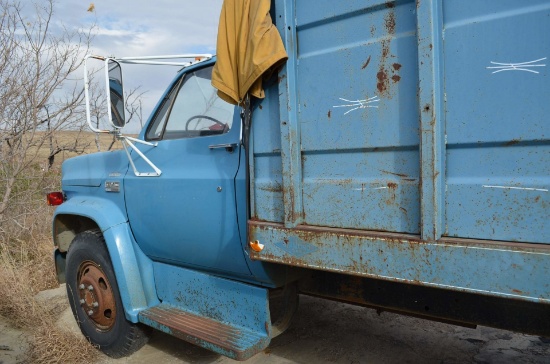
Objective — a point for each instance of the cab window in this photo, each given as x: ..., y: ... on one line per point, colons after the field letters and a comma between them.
x: 193, y: 109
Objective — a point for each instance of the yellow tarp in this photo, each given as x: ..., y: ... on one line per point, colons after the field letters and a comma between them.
x: 248, y: 46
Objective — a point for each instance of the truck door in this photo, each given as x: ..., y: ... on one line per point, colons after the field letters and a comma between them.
x: 187, y: 215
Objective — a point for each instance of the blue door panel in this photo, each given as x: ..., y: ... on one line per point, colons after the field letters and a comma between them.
x: 187, y: 215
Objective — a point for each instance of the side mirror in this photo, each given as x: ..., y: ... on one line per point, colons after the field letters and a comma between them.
x: 115, y: 96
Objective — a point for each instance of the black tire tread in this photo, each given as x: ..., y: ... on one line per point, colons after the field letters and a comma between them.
x: 135, y: 335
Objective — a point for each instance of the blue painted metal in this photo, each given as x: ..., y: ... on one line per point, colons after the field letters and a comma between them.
x: 288, y: 117
x: 498, y: 134
x: 225, y: 300
x: 432, y: 132
x: 425, y: 118
x: 359, y: 164
x: 196, y: 224
x: 222, y: 315
x: 482, y: 267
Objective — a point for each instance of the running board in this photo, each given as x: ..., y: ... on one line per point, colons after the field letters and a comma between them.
x: 233, y: 342
x: 228, y: 317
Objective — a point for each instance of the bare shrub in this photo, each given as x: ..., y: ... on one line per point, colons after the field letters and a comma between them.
x: 37, y: 96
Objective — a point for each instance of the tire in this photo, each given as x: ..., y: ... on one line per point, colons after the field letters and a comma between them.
x: 95, y: 300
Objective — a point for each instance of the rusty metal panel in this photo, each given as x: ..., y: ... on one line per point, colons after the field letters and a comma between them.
x: 289, y: 123
x: 222, y: 315
x: 458, y: 308
x: 432, y: 126
x: 349, y: 115
x: 489, y: 268
x: 236, y: 343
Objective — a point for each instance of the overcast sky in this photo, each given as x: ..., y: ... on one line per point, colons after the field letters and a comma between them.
x: 142, y: 28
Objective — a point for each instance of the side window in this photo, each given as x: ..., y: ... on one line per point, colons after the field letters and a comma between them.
x: 192, y: 110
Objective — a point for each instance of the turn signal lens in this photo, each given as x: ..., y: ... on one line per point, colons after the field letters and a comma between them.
x: 256, y: 246
x: 55, y: 198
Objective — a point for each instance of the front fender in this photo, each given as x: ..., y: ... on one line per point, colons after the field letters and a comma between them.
x: 104, y: 212
x: 133, y: 269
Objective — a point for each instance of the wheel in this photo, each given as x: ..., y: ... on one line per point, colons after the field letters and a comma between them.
x: 203, y: 117
x: 283, y: 303
x: 95, y: 300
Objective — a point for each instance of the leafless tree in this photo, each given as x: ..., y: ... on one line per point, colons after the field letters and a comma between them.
x: 98, y: 110
x: 38, y: 95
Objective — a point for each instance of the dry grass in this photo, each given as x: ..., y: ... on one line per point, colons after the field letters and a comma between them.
x: 23, y: 273
x: 27, y: 267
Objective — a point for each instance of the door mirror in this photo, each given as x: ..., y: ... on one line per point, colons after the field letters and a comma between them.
x: 115, y: 95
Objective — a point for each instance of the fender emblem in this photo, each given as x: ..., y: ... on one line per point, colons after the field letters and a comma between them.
x: 111, y: 186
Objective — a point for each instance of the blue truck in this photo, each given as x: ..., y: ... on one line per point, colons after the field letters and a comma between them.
x: 400, y: 160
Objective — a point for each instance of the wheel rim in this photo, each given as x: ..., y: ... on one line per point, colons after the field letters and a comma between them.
x: 96, y: 296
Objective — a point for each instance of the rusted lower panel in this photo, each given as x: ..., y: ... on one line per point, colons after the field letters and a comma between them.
x: 458, y: 308
x: 239, y: 344
x: 516, y: 271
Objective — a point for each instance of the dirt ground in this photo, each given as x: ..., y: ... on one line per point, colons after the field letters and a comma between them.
x: 331, y: 332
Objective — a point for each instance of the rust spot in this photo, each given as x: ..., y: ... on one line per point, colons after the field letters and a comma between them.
x: 396, y: 78
x: 277, y: 188
x: 366, y: 63
x: 390, y: 5
x: 395, y: 174
x: 517, y: 291
x: 537, y: 199
x: 281, y: 78
x: 392, y: 185
x: 382, y: 77
x: 403, y: 210
x: 512, y: 142
x: 385, y: 49
x: 427, y: 108
x: 328, y: 114
x: 396, y: 66
x: 286, y: 240
x: 389, y: 21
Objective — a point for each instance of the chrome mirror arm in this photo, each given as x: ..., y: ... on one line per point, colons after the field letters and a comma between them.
x: 127, y: 141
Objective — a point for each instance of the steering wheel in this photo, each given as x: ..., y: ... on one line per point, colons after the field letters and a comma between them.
x: 203, y: 117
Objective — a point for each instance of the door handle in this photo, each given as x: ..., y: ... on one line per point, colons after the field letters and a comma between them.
x: 228, y: 146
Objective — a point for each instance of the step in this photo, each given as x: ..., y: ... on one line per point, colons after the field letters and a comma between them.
x: 235, y: 342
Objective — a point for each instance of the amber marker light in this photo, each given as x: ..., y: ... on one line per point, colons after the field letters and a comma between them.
x: 55, y: 198
x: 256, y: 246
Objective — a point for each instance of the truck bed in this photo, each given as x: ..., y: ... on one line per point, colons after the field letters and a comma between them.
x: 409, y: 141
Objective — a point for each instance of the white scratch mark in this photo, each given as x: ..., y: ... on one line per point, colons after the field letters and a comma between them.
x: 380, y: 188
x: 523, y: 66
x: 359, y: 104
x: 518, y: 188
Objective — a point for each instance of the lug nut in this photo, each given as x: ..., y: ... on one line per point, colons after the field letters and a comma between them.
x: 90, y: 288
x: 81, y: 286
x: 90, y: 313
x: 95, y: 304
x: 82, y: 301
